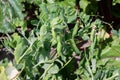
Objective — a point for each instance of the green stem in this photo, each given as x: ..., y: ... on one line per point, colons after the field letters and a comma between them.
x: 43, y: 75
x: 27, y: 51
x: 66, y: 64
x: 88, y: 66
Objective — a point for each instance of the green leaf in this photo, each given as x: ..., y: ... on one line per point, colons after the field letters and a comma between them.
x: 35, y: 22
x: 116, y: 1
x: 17, y: 7
x: 115, y: 33
x: 6, y: 17
x: 54, y: 69
x: 17, y: 22
x: 98, y: 75
x: 19, y: 50
x: 55, y: 21
x: 16, y: 39
x: 111, y: 52
x: 89, y: 7
x: 84, y: 4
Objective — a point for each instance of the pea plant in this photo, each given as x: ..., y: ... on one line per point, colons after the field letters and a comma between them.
x: 57, y: 40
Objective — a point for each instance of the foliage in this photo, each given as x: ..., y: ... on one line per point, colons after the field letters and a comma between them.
x: 48, y: 43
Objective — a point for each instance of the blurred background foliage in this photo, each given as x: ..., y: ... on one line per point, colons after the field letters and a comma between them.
x: 60, y: 39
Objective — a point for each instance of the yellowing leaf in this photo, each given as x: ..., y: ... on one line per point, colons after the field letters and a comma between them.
x: 103, y: 34
x: 2, y: 73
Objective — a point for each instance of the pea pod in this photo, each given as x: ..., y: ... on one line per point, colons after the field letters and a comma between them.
x: 93, y: 39
x: 43, y: 31
x: 54, y: 39
x: 59, y: 45
x: 74, y: 46
x: 75, y: 29
x: 92, y: 33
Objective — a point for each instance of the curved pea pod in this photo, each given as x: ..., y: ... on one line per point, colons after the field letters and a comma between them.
x: 75, y: 29
x: 75, y: 48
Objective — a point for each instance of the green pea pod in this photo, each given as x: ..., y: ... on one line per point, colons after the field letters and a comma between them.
x: 43, y: 30
x: 75, y: 29
x: 59, y: 45
x: 74, y: 46
x: 93, y: 39
x: 54, y: 39
x: 92, y: 34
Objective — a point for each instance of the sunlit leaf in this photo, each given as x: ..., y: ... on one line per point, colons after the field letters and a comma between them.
x: 111, y: 52
x: 53, y: 70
